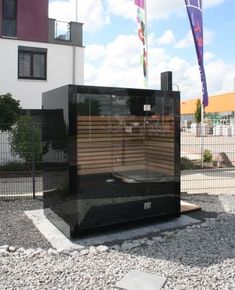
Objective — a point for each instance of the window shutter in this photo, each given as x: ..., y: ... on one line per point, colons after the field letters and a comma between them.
x: 24, y: 65
x: 9, y: 18
x: 39, y: 65
x: 9, y: 9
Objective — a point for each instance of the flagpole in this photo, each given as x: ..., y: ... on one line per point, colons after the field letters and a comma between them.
x: 202, y: 133
x: 202, y: 124
x: 146, y: 43
x: 74, y: 48
x: 76, y: 7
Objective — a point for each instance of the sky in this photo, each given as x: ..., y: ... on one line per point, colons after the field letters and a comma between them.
x: 113, y: 49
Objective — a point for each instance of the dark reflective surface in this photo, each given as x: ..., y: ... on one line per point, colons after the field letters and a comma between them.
x: 119, y: 159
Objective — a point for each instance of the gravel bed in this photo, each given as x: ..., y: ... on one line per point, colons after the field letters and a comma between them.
x: 16, y: 229
x: 200, y: 256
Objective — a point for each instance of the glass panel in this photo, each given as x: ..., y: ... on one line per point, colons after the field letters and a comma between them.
x: 9, y: 9
x: 128, y: 139
x: 94, y: 143
x: 169, y: 135
x: 9, y: 28
x: 9, y: 18
x: 39, y: 66
x: 160, y: 136
x: 24, y: 64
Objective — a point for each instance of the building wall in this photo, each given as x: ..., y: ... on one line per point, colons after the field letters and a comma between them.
x: 0, y: 17
x: 217, y: 104
x: 32, y: 20
x: 59, y: 71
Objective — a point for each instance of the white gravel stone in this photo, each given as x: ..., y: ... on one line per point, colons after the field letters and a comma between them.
x: 84, y: 252
x: 198, y: 257
x: 3, y: 251
x: 158, y: 239
x: 92, y: 250
x: 102, y: 248
x: 4, y: 247
x: 11, y: 249
x: 115, y: 247
x: 150, y: 242
x: 52, y: 251
x: 129, y: 245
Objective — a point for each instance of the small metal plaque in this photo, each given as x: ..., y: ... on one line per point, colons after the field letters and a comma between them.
x: 147, y: 108
x: 147, y: 205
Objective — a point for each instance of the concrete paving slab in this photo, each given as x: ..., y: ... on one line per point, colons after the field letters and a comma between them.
x: 186, y: 207
x: 61, y: 242
x: 50, y: 232
x: 141, y: 280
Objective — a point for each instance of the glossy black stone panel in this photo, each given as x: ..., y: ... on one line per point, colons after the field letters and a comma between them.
x: 112, y: 156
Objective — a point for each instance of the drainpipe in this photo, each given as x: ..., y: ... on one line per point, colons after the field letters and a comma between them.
x: 74, y: 65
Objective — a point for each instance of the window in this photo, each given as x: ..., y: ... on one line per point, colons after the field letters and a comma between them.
x: 9, y: 18
x: 32, y: 63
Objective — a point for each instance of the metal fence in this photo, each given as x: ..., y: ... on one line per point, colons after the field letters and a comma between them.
x: 208, y: 159
x: 21, y: 161
x: 207, y: 162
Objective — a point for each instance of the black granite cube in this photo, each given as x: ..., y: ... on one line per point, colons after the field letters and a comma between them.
x: 112, y: 155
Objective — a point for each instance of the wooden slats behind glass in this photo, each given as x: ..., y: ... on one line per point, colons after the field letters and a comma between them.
x: 107, y: 144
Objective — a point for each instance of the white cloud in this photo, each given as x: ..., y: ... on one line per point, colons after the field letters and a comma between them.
x: 211, y: 3
x: 220, y: 76
x: 95, y: 13
x: 156, y: 9
x: 95, y: 52
x: 124, y: 8
x: 91, y: 13
x: 119, y: 65
x: 208, y: 36
x: 167, y: 38
x: 209, y: 56
x: 188, y: 39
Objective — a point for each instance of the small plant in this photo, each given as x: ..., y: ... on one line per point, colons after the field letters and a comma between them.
x: 186, y: 164
x: 207, y: 156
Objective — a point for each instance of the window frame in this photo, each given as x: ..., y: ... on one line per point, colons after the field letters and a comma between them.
x: 9, y: 19
x: 31, y: 51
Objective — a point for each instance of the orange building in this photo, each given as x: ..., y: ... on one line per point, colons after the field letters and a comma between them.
x: 220, y: 106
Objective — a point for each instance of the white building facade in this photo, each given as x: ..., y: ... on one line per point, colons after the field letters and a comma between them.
x: 35, y: 54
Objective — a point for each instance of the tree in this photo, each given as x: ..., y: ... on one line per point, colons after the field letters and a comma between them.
x: 9, y: 111
x: 197, y: 115
x: 25, y: 140
x: 207, y: 156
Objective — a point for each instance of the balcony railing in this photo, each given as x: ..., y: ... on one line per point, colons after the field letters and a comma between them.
x: 62, y: 30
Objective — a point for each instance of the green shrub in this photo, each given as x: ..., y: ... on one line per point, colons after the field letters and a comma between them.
x: 17, y: 166
x: 186, y: 164
x: 207, y: 156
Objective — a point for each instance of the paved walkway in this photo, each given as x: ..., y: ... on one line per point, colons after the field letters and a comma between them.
x: 211, y: 181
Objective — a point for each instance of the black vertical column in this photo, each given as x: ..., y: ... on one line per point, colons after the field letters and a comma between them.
x: 166, y: 81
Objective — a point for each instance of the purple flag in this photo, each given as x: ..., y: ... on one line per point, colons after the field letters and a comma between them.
x: 194, y: 9
x: 140, y: 3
